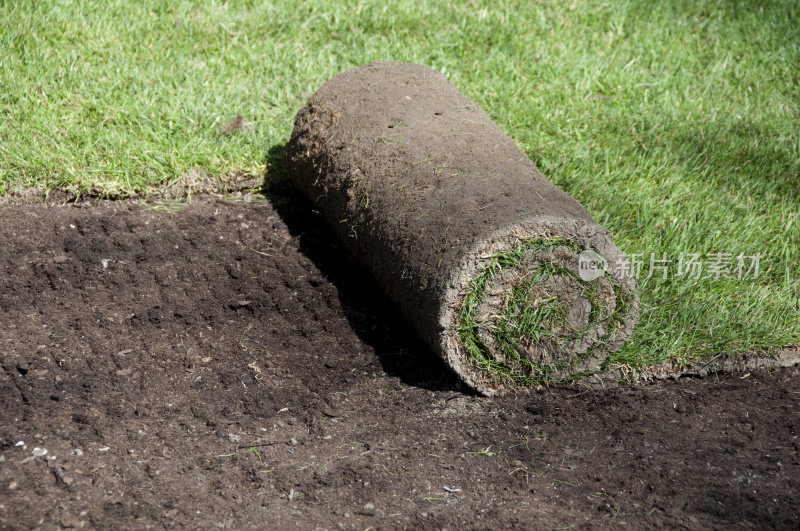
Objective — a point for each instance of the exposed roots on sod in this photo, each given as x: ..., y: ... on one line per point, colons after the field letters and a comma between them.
x: 535, y: 335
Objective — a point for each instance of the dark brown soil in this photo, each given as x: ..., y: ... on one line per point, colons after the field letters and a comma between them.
x: 228, y: 365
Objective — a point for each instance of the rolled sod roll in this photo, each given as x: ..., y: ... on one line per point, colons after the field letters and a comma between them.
x: 504, y: 275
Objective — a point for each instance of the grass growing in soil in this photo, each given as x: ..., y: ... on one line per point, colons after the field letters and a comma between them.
x: 674, y: 122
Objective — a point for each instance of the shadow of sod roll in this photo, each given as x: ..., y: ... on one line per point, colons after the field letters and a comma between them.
x: 507, y: 277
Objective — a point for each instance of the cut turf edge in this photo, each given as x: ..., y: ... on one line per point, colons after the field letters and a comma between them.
x: 522, y: 316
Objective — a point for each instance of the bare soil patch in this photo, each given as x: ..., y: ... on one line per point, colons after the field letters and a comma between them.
x: 227, y: 364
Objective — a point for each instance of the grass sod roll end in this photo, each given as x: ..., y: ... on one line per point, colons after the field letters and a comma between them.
x: 507, y: 277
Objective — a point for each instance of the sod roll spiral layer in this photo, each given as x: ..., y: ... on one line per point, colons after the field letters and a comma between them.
x: 508, y: 278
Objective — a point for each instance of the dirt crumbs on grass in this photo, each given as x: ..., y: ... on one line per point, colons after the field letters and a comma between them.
x: 224, y: 364
x: 188, y: 186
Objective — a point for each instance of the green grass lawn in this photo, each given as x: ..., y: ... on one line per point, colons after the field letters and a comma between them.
x: 676, y: 123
